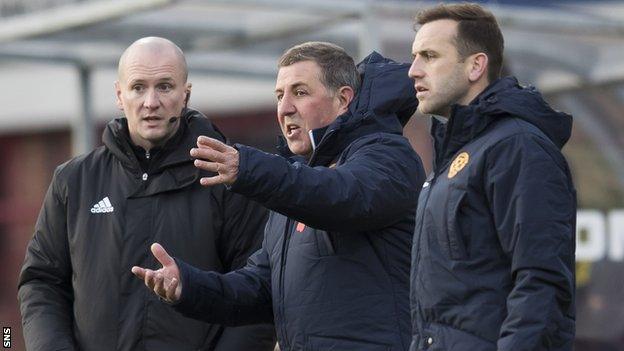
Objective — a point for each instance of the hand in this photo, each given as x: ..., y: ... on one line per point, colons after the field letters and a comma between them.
x: 166, y: 281
x: 222, y: 159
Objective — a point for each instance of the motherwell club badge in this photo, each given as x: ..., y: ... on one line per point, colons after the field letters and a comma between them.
x: 458, y: 164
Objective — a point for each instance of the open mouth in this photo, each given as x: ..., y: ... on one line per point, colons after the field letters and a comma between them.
x: 292, y: 129
x: 152, y: 120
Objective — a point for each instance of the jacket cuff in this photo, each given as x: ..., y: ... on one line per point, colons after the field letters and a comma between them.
x: 187, y: 296
x: 242, y: 178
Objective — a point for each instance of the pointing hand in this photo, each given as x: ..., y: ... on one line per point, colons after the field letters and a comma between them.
x: 215, y: 156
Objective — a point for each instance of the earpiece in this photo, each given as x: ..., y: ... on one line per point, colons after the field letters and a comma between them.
x: 186, y: 99
x: 173, y: 119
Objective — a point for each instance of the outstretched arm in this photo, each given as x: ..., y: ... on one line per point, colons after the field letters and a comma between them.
x: 375, y: 186
x: 237, y: 298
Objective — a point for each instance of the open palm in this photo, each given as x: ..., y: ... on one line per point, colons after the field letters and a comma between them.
x: 165, y: 282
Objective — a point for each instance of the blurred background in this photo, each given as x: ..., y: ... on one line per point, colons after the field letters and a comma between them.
x: 58, y: 64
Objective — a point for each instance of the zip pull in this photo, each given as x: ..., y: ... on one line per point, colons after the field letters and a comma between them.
x: 147, y: 154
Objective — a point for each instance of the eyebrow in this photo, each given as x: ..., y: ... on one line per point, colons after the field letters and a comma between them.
x: 292, y: 86
x: 422, y: 51
x: 160, y: 80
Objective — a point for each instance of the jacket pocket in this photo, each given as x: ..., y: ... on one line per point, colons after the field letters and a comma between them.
x: 331, y: 343
x: 441, y: 337
x: 324, y: 242
x: 454, y: 236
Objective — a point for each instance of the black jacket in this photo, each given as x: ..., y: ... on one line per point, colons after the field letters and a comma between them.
x: 493, y: 257
x: 333, y: 271
x: 100, y: 215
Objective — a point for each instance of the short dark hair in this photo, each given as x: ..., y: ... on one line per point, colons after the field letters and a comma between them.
x: 337, y: 67
x: 477, y: 31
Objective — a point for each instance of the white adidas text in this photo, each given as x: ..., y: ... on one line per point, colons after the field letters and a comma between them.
x: 103, y: 206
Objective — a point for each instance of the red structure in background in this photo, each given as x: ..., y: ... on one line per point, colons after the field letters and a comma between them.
x: 27, y: 164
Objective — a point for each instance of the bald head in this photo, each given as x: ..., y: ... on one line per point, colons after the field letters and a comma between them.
x: 152, y: 47
x: 151, y: 89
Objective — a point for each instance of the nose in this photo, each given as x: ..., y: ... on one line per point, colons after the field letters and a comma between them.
x: 415, y: 70
x: 285, y: 107
x: 152, y: 100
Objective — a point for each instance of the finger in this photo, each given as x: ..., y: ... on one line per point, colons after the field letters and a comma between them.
x: 210, y: 181
x: 159, y: 285
x: 161, y: 255
x: 213, y: 143
x: 208, y: 166
x: 139, y: 272
x: 171, y: 290
x: 209, y: 154
x: 149, y: 279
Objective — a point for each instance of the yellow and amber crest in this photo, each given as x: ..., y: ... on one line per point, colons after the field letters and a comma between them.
x: 458, y: 164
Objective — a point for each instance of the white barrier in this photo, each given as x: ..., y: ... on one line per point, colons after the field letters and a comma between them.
x: 600, y: 235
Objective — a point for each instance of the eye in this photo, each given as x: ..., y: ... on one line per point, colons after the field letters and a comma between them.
x: 300, y: 92
x: 165, y: 87
x: 138, y: 88
x: 427, y: 55
x: 279, y: 97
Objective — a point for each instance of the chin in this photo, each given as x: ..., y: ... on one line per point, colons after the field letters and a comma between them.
x: 429, y: 109
x: 156, y: 138
x: 424, y: 111
x: 300, y: 150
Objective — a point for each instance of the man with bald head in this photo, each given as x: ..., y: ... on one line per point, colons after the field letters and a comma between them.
x: 103, y: 210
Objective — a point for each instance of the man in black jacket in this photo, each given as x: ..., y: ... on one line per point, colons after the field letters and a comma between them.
x: 103, y: 209
x: 333, y: 271
x: 493, y: 255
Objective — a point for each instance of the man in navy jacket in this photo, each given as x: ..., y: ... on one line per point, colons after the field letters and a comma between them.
x: 333, y: 271
x: 493, y: 256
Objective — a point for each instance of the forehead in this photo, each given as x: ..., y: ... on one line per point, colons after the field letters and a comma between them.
x: 304, y: 72
x: 150, y: 65
x: 435, y: 34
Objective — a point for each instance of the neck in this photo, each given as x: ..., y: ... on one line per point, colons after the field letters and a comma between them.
x: 474, y: 91
x: 147, y: 145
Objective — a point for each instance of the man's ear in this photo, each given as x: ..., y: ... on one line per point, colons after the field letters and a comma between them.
x: 477, y: 66
x: 118, y: 95
x: 345, y: 96
x: 188, y: 94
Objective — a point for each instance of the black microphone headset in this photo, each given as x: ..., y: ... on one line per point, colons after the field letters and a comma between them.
x: 173, y: 119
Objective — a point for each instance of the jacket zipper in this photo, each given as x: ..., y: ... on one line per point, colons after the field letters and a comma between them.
x: 145, y: 174
x: 287, y: 232
x: 420, y: 321
x: 286, y: 241
x: 321, y: 142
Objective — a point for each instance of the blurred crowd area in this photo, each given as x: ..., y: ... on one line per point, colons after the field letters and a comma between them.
x: 35, y: 137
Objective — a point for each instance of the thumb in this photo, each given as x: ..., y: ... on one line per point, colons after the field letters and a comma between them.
x: 161, y: 255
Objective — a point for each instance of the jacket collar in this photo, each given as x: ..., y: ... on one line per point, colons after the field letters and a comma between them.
x: 175, y: 151
x: 502, y: 98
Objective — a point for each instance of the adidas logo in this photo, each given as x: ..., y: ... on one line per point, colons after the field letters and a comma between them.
x: 104, y: 206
